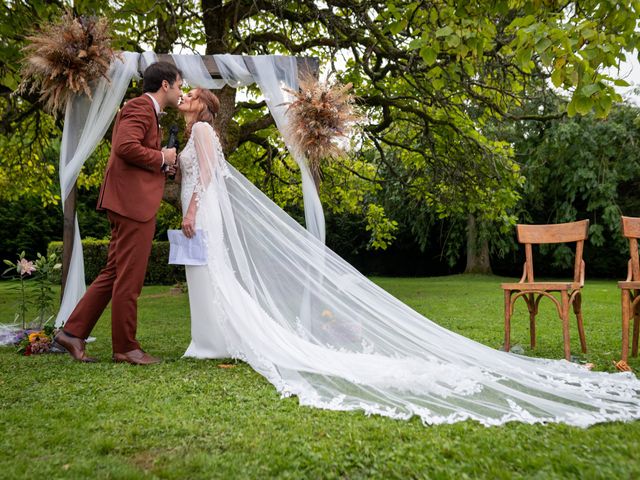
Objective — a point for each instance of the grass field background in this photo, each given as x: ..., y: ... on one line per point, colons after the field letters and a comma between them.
x: 191, y: 419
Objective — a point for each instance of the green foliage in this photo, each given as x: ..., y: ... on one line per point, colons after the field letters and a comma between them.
x: 583, y: 167
x: 168, y: 218
x: 571, y: 42
x: 29, y: 155
x: 28, y: 137
x: 383, y: 229
x: 159, y: 272
x: 479, y: 63
x: 28, y: 226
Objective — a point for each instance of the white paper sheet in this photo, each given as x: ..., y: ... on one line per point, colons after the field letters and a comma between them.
x: 187, y: 251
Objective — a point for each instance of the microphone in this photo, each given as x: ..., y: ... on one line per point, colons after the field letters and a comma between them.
x: 173, y: 143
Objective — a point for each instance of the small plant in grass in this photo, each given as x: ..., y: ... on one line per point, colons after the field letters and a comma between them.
x: 42, y: 271
x: 46, y: 268
x: 24, y: 268
x: 179, y: 288
x: 39, y: 337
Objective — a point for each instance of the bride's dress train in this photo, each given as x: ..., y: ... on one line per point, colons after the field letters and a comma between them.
x: 276, y: 297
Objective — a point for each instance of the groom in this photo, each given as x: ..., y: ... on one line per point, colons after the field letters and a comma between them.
x: 131, y: 193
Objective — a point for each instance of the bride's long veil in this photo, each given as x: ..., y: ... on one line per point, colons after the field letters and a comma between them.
x: 358, y: 347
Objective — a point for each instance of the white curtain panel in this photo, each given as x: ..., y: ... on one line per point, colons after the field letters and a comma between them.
x: 233, y: 70
x: 146, y: 59
x: 195, y: 72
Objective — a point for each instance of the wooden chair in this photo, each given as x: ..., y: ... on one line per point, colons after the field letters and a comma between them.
x: 532, y: 291
x: 630, y: 288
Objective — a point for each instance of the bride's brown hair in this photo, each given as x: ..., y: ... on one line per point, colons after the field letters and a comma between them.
x: 210, y: 107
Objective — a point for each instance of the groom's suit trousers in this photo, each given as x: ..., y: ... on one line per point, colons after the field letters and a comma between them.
x: 121, y: 279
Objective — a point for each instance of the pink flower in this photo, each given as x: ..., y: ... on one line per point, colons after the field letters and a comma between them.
x: 25, y: 267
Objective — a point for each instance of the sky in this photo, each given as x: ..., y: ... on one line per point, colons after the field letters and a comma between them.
x: 629, y: 71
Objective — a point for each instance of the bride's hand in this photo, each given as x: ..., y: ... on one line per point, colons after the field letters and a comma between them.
x: 189, y: 226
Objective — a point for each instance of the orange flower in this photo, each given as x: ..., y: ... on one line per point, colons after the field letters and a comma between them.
x: 36, y: 336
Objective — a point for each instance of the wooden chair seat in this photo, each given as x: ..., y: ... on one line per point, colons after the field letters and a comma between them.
x: 630, y: 288
x: 532, y: 292
x: 546, y: 286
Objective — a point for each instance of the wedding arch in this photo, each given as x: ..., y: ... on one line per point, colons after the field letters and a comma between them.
x: 87, y: 120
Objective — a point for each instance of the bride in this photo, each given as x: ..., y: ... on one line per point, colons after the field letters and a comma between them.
x: 276, y: 297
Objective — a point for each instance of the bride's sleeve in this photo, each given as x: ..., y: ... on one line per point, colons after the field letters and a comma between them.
x: 205, y: 144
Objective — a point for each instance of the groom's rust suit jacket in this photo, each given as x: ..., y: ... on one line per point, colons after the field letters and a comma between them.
x: 134, y: 182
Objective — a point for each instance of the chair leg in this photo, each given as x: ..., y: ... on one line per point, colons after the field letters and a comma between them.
x: 531, y: 304
x: 626, y: 314
x: 636, y: 325
x: 577, y: 309
x: 507, y: 320
x: 565, y: 324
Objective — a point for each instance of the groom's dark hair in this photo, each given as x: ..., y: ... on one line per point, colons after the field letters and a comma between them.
x: 154, y: 75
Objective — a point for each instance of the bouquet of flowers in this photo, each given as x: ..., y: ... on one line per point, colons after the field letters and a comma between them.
x: 34, y: 342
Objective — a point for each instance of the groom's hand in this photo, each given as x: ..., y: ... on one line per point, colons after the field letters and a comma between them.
x: 169, y: 155
x: 171, y: 171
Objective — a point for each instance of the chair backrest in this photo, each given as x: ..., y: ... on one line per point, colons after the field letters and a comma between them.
x: 554, y: 233
x: 631, y: 230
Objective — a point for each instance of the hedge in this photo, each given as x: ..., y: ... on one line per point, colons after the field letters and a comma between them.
x: 159, y: 272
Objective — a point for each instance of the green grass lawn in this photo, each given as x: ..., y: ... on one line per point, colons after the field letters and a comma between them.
x: 189, y: 419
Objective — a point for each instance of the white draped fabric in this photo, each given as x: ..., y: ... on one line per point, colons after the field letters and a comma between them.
x: 323, y: 332
x: 86, y: 122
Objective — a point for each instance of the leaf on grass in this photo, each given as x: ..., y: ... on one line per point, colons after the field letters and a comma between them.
x: 622, y: 366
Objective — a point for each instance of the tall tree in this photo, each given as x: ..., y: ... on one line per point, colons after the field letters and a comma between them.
x: 431, y: 75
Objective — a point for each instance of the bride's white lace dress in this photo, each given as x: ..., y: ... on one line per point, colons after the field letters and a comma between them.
x: 276, y: 297
x: 207, y: 334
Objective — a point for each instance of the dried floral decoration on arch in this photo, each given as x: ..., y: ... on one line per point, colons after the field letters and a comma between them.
x: 320, y: 114
x: 64, y: 57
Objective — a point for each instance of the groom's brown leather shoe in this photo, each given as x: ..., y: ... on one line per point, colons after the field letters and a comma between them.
x: 75, y: 347
x: 135, y: 357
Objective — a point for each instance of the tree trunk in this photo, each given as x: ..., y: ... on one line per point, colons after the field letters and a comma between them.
x: 216, y: 26
x: 477, y: 249
x: 167, y: 32
x: 225, y: 125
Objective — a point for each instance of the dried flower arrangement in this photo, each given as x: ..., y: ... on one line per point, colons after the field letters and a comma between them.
x: 320, y: 113
x: 64, y: 57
